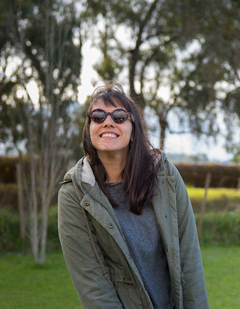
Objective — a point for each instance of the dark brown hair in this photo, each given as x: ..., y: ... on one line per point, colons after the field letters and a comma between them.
x: 139, y: 174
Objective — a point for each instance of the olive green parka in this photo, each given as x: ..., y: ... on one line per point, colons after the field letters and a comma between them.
x: 96, y: 253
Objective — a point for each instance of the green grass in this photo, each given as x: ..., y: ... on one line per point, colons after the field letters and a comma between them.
x: 222, y: 274
x: 214, y: 193
x: 218, y: 199
x: 24, y: 285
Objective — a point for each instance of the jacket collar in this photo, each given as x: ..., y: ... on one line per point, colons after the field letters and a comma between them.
x: 84, y: 174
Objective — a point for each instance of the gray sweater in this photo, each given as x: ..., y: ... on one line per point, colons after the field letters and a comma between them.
x: 146, y: 248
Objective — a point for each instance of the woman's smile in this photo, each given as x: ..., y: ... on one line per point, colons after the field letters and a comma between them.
x: 108, y: 135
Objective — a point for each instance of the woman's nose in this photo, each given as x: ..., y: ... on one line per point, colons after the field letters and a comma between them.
x: 109, y: 121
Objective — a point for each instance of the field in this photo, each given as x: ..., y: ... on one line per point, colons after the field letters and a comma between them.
x: 25, y: 285
x: 218, y: 199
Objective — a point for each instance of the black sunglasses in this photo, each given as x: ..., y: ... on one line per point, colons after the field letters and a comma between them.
x: 118, y: 116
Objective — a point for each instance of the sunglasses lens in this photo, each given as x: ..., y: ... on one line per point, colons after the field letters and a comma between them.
x: 98, y: 116
x: 119, y: 116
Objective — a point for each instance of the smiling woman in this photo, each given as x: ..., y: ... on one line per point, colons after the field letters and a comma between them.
x: 126, y: 223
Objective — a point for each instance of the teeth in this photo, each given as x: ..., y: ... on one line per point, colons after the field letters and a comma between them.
x: 109, y: 135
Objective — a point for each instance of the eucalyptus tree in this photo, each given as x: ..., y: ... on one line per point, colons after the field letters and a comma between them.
x: 156, y: 30
x: 44, y: 41
x: 181, y: 44
x: 212, y: 81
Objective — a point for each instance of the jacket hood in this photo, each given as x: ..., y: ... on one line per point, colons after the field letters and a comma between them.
x: 82, y: 172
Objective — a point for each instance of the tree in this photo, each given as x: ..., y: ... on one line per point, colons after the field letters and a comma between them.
x: 45, y: 37
x: 156, y: 29
x: 211, y: 84
x: 158, y: 52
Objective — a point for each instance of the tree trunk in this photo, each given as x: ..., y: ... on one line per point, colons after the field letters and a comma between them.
x: 162, y: 137
x: 20, y: 202
x: 238, y: 185
x: 34, y: 214
x: 203, y: 208
x: 44, y: 228
x: 163, y: 125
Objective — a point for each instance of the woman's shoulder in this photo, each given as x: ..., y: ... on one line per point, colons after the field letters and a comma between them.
x: 163, y: 165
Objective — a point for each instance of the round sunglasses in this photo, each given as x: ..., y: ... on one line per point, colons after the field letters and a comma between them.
x: 118, y: 116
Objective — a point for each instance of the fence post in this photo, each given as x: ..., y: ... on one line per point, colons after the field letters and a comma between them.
x: 203, y: 207
x: 238, y: 185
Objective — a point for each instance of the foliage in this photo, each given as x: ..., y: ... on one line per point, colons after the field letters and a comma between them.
x: 219, y: 228
x: 44, y: 40
x: 9, y: 196
x: 222, y: 175
x: 8, y: 169
x: 190, y: 46
x: 10, y: 236
x: 218, y: 199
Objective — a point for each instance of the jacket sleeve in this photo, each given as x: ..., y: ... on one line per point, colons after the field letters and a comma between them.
x: 192, y: 275
x: 94, y: 291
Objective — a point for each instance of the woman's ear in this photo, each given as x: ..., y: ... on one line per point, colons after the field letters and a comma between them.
x: 131, y: 139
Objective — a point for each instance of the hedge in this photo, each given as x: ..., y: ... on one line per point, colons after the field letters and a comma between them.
x: 10, y: 240
x: 219, y: 229
x: 8, y: 169
x: 222, y: 175
x: 9, y: 196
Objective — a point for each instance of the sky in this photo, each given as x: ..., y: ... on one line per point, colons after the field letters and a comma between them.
x: 175, y: 143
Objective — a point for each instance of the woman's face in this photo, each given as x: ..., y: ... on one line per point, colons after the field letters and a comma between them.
x: 110, y: 138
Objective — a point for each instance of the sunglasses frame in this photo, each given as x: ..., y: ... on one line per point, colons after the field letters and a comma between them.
x: 129, y: 115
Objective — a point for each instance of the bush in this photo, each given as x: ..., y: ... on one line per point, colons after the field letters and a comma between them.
x: 218, y: 199
x: 10, y: 239
x: 220, y: 229
x: 10, y: 233
x: 222, y: 175
x: 9, y: 196
x: 8, y: 169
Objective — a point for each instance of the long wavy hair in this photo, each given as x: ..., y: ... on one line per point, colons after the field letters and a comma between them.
x: 139, y: 174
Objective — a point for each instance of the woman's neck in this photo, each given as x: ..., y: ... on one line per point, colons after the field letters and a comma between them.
x: 114, y: 167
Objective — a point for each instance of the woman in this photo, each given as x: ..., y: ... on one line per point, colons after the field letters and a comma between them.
x: 126, y: 224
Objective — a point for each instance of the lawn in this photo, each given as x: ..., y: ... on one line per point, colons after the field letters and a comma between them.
x: 24, y: 285
x: 218, y: 199
x: 222, y: 274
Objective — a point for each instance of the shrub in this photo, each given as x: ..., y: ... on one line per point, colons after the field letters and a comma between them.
x: 8, y: 169
x: 10, y: 240
x: 10, y: 233
x: 222, y: 175
x: 220, y: 229
x: 9, y: 196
